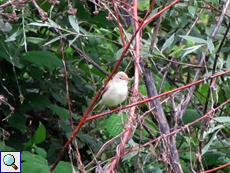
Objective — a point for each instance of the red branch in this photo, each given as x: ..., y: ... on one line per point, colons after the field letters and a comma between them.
x: 84, y: 118
x: 157, y: 96
x: 158, y: 13
x: 119, y: 24
x: 217, y: 168
x: 128, y: 127
x: 91, y: 105
x: 95, y: 99
x: 207, y: 115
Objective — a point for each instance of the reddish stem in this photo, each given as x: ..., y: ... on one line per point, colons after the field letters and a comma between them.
x: 119, y: 24
x: 157, y: 96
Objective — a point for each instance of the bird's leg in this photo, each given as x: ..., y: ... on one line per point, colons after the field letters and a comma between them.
x: 120, y: 107
x: 109, y: 111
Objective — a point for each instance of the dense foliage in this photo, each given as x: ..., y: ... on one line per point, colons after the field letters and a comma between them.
x: 38, y: 68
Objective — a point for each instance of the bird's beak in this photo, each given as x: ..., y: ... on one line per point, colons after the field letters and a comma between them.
x: 128, y: 79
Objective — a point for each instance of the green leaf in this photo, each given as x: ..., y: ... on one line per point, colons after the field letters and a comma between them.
x: 7, y: 49
x: 43, y: 59
x: 211, y: 157
x: 55, y: 39
x: 14, y: 36
x: 18, y: 121
x: 38, y: 137
x: 74, y: 23
x: 206, y: 147
x: 151, y: 168
x: 40, y: 151
x: 178, y: 49
x: 192, y: 10
x: 40, y: 134
x: 5, y: 26
x: 228, y: 62
x: 32, y: 163
x: 141, y: 132
x: 142, y: 89
x: 34, y: 101
x: 64, y: 167
x: 151, y: 124
x: 191, y: 115
x: 193, y: 39
x: 59, y: 96
x: 63, y: 113
x: 113, y: 125
x: 42, y: 24
x: 190, y: 49
x: 35, y: 40
x: 168, y: 42
x: 220, y: 144
x: 211, y: 46
x: 84, y: 138
x: 65, y: 125
x: 203, y: 90
x: 35, y: 72
x: 4, y: 147
x: 222, y: 119
x: 73, y: 40
x: 118, y: 53
x: 129, y: 156
x: 180, y: 5
x: 143, y: 5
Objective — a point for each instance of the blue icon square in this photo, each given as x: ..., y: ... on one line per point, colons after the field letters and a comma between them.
x: 10, y: 161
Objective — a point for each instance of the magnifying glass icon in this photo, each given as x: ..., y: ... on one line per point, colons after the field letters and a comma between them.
x: 9, y: 160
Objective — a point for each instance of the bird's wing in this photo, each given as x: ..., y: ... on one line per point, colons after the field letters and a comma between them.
x: 99, y: 105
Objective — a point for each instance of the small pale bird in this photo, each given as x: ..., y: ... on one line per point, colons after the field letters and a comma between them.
x: 115, y: 92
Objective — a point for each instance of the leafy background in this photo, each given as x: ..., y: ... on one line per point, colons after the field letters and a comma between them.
x: 34, y: 111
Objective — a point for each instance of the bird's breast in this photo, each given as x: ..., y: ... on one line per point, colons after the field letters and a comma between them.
x: 116, y: 94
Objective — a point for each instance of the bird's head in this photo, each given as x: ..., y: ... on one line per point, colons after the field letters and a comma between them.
x: 121, y: 77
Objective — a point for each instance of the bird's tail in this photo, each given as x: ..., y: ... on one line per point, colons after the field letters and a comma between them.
x: 98, y: 107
